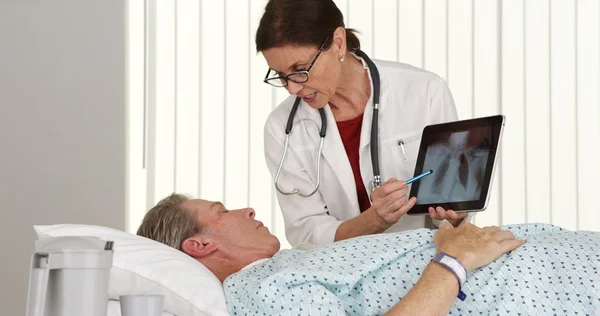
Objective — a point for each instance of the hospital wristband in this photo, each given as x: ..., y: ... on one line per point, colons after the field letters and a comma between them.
x: 456, y: 267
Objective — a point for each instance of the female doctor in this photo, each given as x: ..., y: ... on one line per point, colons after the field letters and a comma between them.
x: 346, y: 118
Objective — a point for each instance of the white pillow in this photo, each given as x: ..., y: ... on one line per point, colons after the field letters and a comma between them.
x: 144, y: 266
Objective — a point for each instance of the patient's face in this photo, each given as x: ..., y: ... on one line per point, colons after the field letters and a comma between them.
x: 234, y: 228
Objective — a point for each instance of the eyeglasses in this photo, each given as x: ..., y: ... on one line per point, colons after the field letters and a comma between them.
x: 297, y: 76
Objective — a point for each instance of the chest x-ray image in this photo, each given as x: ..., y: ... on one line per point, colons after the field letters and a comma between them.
x: 458, y: 161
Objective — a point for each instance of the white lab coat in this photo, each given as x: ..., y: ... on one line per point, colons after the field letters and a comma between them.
x: 410, y: 99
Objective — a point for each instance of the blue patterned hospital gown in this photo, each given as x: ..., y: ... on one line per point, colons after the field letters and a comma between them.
x: 557, y: 272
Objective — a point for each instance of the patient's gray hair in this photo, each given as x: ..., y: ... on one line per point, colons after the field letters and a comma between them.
x: 169, y: 223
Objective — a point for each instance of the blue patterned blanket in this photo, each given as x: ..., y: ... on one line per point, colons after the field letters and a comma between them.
x: 557, y: 272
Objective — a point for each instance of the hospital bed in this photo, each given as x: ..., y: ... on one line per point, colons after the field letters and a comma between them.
x: 142, y: 266
x: 114, y: 309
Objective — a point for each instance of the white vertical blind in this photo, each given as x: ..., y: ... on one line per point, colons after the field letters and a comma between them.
x: 161, y: 100
x: 513, y: 184
x: 563, y: 109
x: 537, y: 62
x: 187, y: 136
x: 537, y: 111
x: 460, y: 55
x: 410, y: 32
x: 237, y: 106
x: 385, y: 30
x: 435, y: 37
x: 213, y: 99
x: 588, y: 112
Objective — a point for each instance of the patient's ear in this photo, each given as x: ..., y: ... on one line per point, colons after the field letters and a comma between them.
x: 198, y: 247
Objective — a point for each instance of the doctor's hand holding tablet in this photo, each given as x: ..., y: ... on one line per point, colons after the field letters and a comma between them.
x: 350, y: 128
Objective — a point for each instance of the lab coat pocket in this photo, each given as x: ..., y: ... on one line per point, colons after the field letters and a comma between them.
x: 404, y: 151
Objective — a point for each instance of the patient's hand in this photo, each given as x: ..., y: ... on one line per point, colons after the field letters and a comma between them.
x: 453, y: 217
x: 475, y: 247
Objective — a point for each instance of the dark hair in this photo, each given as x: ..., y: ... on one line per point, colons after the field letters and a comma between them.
x: 301, y: 22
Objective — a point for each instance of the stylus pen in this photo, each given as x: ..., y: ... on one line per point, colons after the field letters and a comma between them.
x: 424, y: 174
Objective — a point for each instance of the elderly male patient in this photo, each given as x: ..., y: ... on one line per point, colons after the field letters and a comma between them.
x: 555, y: 272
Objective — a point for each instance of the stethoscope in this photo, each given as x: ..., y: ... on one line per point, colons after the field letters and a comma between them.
x: 374, y: 129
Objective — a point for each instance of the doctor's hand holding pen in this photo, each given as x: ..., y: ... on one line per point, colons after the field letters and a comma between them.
x: 389, y: 202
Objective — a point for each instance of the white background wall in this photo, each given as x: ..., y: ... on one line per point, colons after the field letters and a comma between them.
x: 62, y: 125
x: 535, y: 61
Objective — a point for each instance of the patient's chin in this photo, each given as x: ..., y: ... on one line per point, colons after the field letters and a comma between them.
x: 276, y: 244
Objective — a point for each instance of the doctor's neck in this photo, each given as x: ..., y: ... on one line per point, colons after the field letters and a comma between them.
x: 353, y: 90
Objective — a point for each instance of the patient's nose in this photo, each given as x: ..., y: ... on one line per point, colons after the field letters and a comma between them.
x: 249, y: 212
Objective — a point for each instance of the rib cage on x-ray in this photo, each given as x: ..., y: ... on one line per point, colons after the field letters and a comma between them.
x: 458, y: 171
x: 463, y: 173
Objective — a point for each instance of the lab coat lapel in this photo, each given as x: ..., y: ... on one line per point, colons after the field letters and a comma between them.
x: 334, y: 154
x: 366, y: 167
x: 365, y: 132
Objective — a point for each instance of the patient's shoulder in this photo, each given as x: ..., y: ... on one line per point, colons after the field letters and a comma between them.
x: 305, y: 246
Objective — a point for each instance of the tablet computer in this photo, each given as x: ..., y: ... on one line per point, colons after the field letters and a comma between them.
x: 462, y: 157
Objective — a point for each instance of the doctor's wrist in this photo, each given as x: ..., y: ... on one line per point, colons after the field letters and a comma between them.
x: 375, y: 219
x: 364, y: 224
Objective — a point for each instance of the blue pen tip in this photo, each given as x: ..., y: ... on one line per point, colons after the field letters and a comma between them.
x: 430, y: 170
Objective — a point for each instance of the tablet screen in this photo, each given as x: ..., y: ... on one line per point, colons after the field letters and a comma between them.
x: 458, y: 161
x: 462, y: 156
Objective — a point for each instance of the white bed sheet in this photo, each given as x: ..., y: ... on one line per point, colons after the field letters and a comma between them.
x: 114, y: 309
